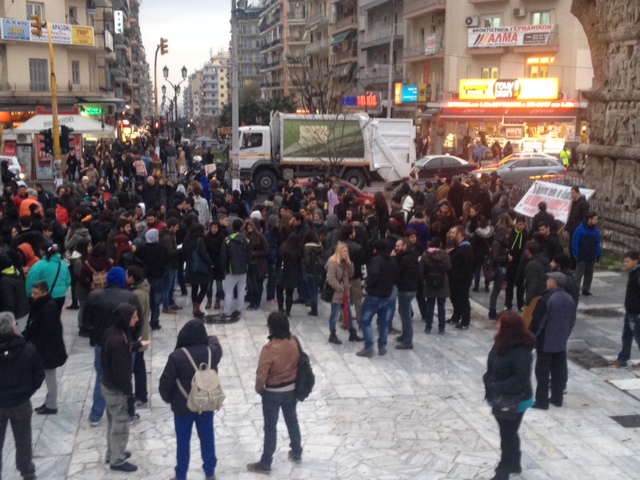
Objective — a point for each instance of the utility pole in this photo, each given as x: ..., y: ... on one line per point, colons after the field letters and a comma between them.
x: 390, y: 77
x: 235, y: 107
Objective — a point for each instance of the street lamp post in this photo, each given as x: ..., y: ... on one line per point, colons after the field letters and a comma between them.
x: 176, y: 89
x: 236, y: 9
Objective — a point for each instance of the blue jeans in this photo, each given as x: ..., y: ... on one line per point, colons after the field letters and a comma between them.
x: 630, y: 330
x: 384, y: 307
x: 169, y: 281
x: 271, y: 404
x: 336, y: 308
x: 99, y: 403
x: 204, y: 427
x: 311, y: 282
x: 155, y: 299
x: 219, y: 290
x: 442, y: 315
x: 404, y: 307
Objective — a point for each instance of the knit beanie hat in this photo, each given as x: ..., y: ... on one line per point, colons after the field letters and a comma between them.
x: 273, y: 221
x: 152, y: 236
x: 256, y: 215
x: 117, y: 276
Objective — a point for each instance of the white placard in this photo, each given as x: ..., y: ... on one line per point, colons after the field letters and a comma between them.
x: 558, y: 198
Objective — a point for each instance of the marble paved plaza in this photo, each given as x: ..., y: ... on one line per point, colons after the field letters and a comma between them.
x: 409, y: 415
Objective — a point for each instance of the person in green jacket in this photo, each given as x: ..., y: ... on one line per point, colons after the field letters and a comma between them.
x: 565, y: 156
x: 53, y: 270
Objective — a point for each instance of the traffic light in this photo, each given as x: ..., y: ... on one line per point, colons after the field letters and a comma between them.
x: 36, y: 25
x: 164, y: 46
x: 65, y: 139
x: 47, y: 140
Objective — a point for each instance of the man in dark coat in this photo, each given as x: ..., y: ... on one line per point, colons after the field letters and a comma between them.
x: 552, y: 323
x: 535, y: 271
x: 193, y: 336
x: 577, y: 214
x: 235, y: 255
x: 154, y: 257
x: 456, y: 196
x: 13, y: 295
x: 631, y: 328
x: 460, y: 277
x: 44, y: 330
x: 551, y: 244
x: 515, y: 241
x: 21, y: 374
x: 408, y: 282
x: 97, y: 317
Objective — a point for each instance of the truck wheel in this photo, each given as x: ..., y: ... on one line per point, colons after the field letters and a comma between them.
x: 356, y: 178
x: 265, y: 181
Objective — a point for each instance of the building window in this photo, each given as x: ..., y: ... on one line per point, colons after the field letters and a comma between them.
x: 489, y: 72
x: 491, y: 21
x: 73, y: 15
x: 541, y: 18
x: 38, y: 75
x: 539, y: 66
x: 35, y: 9
x: 75, y: 72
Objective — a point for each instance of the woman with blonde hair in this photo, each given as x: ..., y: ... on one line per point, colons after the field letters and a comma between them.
x: 339, y: 271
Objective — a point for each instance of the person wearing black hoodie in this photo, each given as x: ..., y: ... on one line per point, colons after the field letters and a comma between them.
x: 116, y: 384
x: 460, y: 277
x: 515, y: 243
x: 21, y: 374
x: 407, y: 260
x: 193, y: 337
x: 382, y: 276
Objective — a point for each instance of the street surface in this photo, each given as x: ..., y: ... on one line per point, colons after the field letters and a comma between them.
x: 414, y: 414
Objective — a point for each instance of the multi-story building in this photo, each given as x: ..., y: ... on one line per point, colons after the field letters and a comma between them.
x: 284, y: 37
x: 216, y: 91
x: 249, y: 60
x: 343, y: 31
x: 510, y: 70
x: 193, y: 96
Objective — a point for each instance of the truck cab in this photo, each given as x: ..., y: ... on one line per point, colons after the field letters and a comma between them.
x: 255, y: 156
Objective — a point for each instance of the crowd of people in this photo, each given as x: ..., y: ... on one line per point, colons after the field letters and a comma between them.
x: 126, y: 236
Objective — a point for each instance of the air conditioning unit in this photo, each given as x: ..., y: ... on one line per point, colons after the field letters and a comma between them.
x: 472, y: 21
x: 520, y: 12
x: 23, y: 138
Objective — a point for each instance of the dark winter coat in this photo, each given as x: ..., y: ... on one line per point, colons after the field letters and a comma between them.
x: 168, y: 239
x: 357, y: 256
x: 98, y: 264
x: 97, y: 314
x: 190, y: 275
x: 481, y: 244
x: 193, y: 337
x: 586, y: 243
x: 21, y: 370
x: 259, y: 253
x: 214, y: 246
x: 235, y: 254
x: 552, y: 245
x: 510, y: 373
x: 577, y: 214
x: 553, y: 320
x: 382, y: 275
x: 291, y: 265
x: 409, y: 278
x: 13, y: 295
x: 312, y: 254
x: 116, y: 352
x: 461, y: 273
x: 44, y: 330
x: 535, y: 277
x: 545, y: 217
x: 515, y: 244
x: 632, y: 295
x: 499, y: 250
x: 431, y: 257
x: 154, y: 257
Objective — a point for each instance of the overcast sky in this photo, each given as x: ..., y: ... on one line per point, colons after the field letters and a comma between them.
x: 194, y: 28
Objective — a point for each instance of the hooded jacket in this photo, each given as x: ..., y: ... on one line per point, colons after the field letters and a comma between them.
x: 141, y: 290
x: 535, y: 277
x: 13, y: 295
x: 333, y: 234
x: 82, y: 233
x: 97, y: 314
x: 29, y: 255
x: 47, y: 270
x: 408, y: 265
x: 461, y: 273
x: 431, y: 257
x: 21, y: 370
x: 235, y: 254
x: 116, y: 353
x: 44, y: 330
x: 193, y: 336
x: 586, y: 243
x: 382, y: 275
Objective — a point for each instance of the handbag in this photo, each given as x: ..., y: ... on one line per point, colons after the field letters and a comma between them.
x: 507, y: 407
x: 327, y: 293
x: 198, y: 265
x: 489, y: 270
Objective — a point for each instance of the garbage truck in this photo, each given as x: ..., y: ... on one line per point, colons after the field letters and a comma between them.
x: 355, y: 147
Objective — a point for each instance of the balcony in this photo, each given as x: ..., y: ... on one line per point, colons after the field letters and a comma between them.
x: 296, y: 39
x: 346, y: 23
x: 420, y: 52
x: 382, y: 35
x: 369, y: 4
x: 264, y: 25
x: 269, y: 45
x: 296, y: 18
x: 345, y: 57
x: 316, y: 19
x: 268, y: 85
x: 417, y: 8
x: 270, y: 66
x: 317, y: 45
x: 379, y: 73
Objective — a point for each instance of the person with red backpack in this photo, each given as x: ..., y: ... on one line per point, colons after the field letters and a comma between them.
x: 94, y: 271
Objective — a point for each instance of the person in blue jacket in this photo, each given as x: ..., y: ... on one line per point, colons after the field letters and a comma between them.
x: 586, y: 245
x: 53, y: 270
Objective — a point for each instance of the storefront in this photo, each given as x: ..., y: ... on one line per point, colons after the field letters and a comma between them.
x: 530, y: 113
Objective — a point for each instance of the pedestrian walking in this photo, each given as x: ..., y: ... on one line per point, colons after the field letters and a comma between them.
x: 154, y: 257
x: 44, y: 331
x: 508, y: 378
x: 631, y: 326
x: 13, y: 294
x: 198, y: 271
x: 586, y: 245
x: 21, y: 374
x: 276, y: 381
x: 552, y: 323
x: 139, y: 286
x: 194, y: 338
x: 407, y: 260
x: 577, y: 214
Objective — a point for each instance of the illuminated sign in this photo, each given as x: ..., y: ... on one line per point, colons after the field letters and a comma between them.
x: 513, y: 104
x: 397, y: 93
x: 369, y: 100
x: 516, y: 36
x: 93, y: 111
x: 409, y: 93
x: 514, y: 89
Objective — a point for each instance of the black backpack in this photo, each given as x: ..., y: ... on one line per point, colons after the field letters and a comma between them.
x: 306, y: 379
x: 435, y: 276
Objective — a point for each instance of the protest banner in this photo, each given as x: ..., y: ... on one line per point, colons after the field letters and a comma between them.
x: 558, y: 198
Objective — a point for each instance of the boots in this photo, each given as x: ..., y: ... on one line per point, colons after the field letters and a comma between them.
x: 208, y: 305
x: 196, y: 311
x: 353, y: 336
x: 216, y: 306
x: 333, y: 338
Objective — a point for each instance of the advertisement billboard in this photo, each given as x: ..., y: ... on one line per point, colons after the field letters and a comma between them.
x: 515, y: 36
x: 322, y: 139
x: 62, y: 34
x: 509, y: 89
x: 14, y: 29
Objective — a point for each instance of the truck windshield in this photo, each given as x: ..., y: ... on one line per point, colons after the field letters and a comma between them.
x: 251, y: 140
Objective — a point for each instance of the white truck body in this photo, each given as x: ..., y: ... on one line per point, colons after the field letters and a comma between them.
x: 352, y: 146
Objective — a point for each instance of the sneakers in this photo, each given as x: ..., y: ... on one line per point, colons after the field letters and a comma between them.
x: 618, y: 364
x: 142, y: 404
x: 404, y: 346
x: 294, y: 457
x: 258, y: 468
x: 382, y: 352
x: 427, y: 331
x: 127, y: 455
x: 46, y: 411
x: 539, y: 406
x: 134, y: 418
x: 365, y: 352
x: 95, y: 423
x: 124, y: 467
x: 462, y: 327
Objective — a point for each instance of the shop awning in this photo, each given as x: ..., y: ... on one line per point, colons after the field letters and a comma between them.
x: 80, y: 124
x: 513, y: 116
x: 341, y: 37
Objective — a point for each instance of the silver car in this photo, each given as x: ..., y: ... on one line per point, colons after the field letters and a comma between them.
x: 512, y: 172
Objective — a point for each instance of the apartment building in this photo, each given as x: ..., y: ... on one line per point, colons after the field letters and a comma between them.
x: 216, y: 84
x: 249, y: 60
x: 508, y: 69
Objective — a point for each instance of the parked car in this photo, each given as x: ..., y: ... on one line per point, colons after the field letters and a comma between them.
x: 442, y: 165
x: 14, y: 166
x: 510, y: 158
x: 342, y: 189
x: 516, y: 170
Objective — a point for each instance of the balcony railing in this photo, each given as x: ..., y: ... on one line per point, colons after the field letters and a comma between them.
x: 420, y: 50
x: 379, y: 72
x: 384, y: 32
x: 413, y: 6
x: 349, y: 21
x: 295, y: 16
x: 268, y: 45
x: 317, y: 45
x: 366, y: 4
x: 317, y: 17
